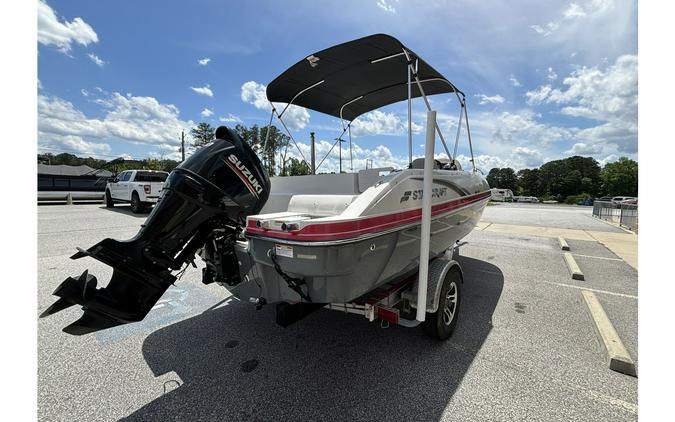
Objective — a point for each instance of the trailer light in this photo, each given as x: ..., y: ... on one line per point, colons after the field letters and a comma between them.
x: 146, y: 188
x: 387, y: 314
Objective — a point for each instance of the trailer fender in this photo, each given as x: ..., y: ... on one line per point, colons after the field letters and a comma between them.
x: 438, y: 269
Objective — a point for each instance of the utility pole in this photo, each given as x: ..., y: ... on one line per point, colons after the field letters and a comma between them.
x: 182, y: 144
x: 313, y: 167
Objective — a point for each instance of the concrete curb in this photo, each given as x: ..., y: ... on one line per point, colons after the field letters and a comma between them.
x: 619, y: 359
x: 573, y: 267
x: 563, y: 243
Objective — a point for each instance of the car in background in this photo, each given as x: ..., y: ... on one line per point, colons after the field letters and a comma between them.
x: 587, y: 201
x: 623, y: 199
x: 527, y: 199
x: 140, y: 188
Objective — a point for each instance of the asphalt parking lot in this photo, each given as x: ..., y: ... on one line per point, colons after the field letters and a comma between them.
x: 524, y: 348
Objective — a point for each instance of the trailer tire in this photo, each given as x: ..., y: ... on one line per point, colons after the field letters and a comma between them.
x: 108, y: 200
x: 441, y: 324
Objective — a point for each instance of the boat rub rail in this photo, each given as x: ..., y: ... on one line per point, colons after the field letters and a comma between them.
x: 335, y: 230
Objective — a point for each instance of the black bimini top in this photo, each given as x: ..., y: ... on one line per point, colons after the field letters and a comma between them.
x: 373, y: 68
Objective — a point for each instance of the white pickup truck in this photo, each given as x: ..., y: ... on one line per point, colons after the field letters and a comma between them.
x: 140, y: 188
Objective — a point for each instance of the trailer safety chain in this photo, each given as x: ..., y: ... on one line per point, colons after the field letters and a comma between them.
x: 294, y: 283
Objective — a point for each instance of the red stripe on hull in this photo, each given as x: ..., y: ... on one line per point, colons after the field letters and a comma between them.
x: 337, y: 230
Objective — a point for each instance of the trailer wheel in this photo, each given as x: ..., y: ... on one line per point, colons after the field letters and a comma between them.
x: 441, y: 324
x: 108, y: 200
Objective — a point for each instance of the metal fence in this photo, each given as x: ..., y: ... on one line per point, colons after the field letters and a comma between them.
x: 626, y: 215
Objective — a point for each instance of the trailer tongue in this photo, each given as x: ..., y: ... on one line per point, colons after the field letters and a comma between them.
x: 212, y: 191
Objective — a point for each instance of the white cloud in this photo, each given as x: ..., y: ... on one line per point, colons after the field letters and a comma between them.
x: 54, y: 143
x: 231, y: 118
x: 380, y: 123
x: 519, y: 158
x: 204, y: 61
x: 379, y: 156
x: 384, y: 5
x: 551, y: 74
x: 84, y: 92
x: 572, y: 13
x: 484, y: 162
x: 527, y: 157
x: 538, y: 95
x: 495, y: 99
x: 62, y: 34
x: 203, y: 90
x: 169, y: 153
x: 255, y: 94
x: 609, y: 159
x: 517, y: 138
x: 514, y: 81
x: 206, y: 112
x: 546, y: 30
x: 581, y: 148
x: 94, y: 58
x: 39, y: 84
x: 135, y: 119
x: 609, y: 96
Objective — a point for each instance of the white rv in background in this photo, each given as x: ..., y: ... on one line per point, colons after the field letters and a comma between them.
x: 501, y: 195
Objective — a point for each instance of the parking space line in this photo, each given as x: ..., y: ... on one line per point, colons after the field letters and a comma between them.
x: 597, y: 257
x: 606, y: 292
x: 618, y: 356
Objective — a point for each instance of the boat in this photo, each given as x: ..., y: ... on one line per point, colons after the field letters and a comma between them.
x: 305, y: 242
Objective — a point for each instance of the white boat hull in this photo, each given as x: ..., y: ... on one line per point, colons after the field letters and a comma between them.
x: 340, y: 258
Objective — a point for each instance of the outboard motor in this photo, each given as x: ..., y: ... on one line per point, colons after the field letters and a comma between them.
x: 211, y: 192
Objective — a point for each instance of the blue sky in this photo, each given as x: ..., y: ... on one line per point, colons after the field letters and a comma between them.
x: 544, y: 79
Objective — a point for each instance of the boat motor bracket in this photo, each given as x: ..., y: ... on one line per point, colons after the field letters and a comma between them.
x: 438, y: 269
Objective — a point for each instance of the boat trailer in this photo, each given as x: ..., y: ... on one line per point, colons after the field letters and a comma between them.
x: 396, y: 302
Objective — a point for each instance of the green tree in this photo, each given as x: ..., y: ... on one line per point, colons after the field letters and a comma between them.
x: 529, y: 183
x: 202, y: 134
x: 295, y: 167
x: 493, y: 177
x: 503, y: 178
x: 570, y: 176
x: 508, y: 179
x: 620, y: 178
x: 256, y: 136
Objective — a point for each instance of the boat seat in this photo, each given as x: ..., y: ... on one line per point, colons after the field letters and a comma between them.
x: 320, y: 205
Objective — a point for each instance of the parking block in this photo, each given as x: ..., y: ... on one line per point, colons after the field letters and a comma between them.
x: 563, y: 243
x: 619, y: 359
x: 573, y: 267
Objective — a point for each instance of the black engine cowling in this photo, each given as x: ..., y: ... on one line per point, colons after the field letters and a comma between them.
x: 213, y: 190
